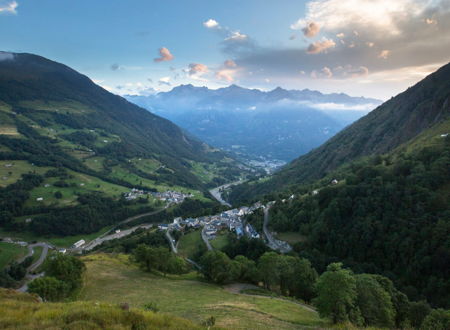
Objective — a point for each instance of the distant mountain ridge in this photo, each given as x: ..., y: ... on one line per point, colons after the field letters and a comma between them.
x: 280, y: 124
x: 70, y: 151
x: 394, y: 123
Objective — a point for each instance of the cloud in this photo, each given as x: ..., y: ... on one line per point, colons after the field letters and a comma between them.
x: 164, y: 81
x: 311, y: 29
x: 348, y: 71
x: 165, y: 55
x: 236, y: 36
x: 197, y: 69
x: 115, y: 67
x: 320, y: 46
x: 325, y: 72
x: 230, y: 64
x: 8, y: 7
x: 225, y: 74
x: 384, y: 54
x: 211, y: 24
x: 5, y: 56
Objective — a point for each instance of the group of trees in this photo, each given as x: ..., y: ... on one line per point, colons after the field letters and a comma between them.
x: 159, y: 259
x: 13, y: 273
x: 388, y: 215
x: 292, y: 276
x: 63, y: 276
x: 372, y: 300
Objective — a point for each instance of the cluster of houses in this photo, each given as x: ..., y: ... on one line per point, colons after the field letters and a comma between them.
x: 231, y: 220
x: 169, y: 196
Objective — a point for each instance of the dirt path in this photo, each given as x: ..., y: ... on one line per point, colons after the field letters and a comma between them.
x: 236, y: 288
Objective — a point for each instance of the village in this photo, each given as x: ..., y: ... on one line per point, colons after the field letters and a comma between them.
x: 232, y: 220
x: 169, y: 196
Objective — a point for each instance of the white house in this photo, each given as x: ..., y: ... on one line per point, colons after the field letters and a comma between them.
x: 80, y: 243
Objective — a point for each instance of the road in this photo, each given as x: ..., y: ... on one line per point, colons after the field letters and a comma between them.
x: 216, y: 192
x: 99, y: 240
x: 107, y: 236
x: 171, y: 241
x: 273, y: 243
x: 206, y: 240
x: 29, y: 277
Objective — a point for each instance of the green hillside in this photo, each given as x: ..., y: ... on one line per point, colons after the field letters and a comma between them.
x: 423, y: 107
x: 113, y: 280
x: 25, y: 311
x: 84, y: 148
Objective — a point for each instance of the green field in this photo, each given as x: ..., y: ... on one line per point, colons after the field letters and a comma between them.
x: 66, y: 241
x: 79, y: 184
x: 190, y: 244
x: 220, y: 242
x: 10, y: 252
x: 291, y: 237
x: 115, y: 280
x: 12, y: 170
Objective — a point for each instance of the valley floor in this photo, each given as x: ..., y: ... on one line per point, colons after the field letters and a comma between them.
x: 114, y: 279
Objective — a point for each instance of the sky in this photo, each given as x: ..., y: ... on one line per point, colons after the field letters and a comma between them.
x: 372, y: 48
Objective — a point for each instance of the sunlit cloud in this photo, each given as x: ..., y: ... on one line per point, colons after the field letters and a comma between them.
x: 320, y: 46
x: 384, y: 54
x: 309, y: 29
x: 164, y: 81
x: 197, y: 69
x: 8, y: 7
x: 211, y: 24
x: 165, y: 55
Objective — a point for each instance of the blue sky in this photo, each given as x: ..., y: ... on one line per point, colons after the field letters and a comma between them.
x: 357, y: 47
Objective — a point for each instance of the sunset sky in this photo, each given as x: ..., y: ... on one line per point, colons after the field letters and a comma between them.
x: 373, y: 48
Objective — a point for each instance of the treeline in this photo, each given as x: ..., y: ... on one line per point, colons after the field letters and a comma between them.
x: 387, y: 215
x: 63, y: 276
x: 12, y: 274
x: 361, y: 299
x: 129, y: 243
x: 160, y: 259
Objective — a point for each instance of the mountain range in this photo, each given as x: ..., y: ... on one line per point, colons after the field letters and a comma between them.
x: 75, y: 138
x: 377, y: 195
x: 278, y: 124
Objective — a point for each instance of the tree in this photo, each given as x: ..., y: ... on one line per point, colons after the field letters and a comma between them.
x: 374, y: 302
x: 247, y: 271
x: 336, y: 293
x: 49, y: 288
x: 58, y: 195
x: 67, y: 269
x: 217, y: 267
x: 438, y: 319
x: 304, y: 278
x: 268, y: 269
x: 418, y: 311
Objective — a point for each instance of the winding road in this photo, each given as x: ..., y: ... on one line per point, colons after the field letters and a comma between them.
x: 273, y: 243
x: 107, y: 236
x: 217, y: 194
x: 171, y: 241
x: 206, y: 240
x: 29, y: 277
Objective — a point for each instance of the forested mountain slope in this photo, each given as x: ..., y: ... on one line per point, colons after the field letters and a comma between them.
x: 392, y: 124
x: 75, y: 138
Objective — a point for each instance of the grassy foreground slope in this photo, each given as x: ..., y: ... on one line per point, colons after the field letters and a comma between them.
x: 24, y: 311
x: 115, y: 280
